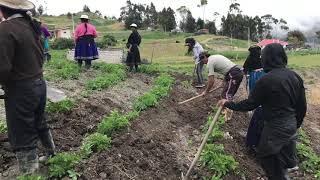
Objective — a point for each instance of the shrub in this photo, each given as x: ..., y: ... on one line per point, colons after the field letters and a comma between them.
x: 63, y: 164
x: 107, y: 40
x: 60, y: 107
x: 62, y: 43
x: 112, y: 123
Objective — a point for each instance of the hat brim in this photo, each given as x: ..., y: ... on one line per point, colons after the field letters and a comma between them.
x: 24, y: 6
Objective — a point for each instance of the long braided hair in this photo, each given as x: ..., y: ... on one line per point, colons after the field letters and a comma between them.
x: 85, y: 21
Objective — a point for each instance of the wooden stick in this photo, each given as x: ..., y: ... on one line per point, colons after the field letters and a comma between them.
x: 191, y: 99
x: 197, y: 156
x: 196, y: 97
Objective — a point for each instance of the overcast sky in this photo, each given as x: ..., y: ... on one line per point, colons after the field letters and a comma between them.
x: 298, y: 13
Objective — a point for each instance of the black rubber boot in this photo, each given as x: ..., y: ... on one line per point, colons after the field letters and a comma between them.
x: 47, y: 142
x: 28, y: 161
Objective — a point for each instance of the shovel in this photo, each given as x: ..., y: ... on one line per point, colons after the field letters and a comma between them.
x: 197, y: 156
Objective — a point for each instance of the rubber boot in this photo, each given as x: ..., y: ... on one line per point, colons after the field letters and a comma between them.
x: 80, y: 63
x: 88, y: 64
x: 47, y: 142
x: 131, y: 68
x: 28, y: 161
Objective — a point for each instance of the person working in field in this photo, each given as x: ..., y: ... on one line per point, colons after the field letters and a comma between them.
x: 46, y: 35
x: 134, y: 41
x: 281, y: 93
x: 197, y: 49
x: 233, y: 76
x: 253, y: 69
x: 86, y: 48
x: 21, y: 75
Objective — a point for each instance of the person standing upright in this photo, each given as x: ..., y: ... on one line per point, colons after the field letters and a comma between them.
x: 46, y: 35
x: 197, y: 49
x: 281, y: 93
x: 86, y: 48
x: 134, y: 41
x: 21, y: 74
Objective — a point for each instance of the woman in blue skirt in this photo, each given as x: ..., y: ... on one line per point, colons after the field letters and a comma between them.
x: 253, y: 70
x: 86, y: 48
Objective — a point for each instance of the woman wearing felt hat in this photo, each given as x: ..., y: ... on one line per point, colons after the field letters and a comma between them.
x: 86, y: 48
x: 21, y: 75
x: 133, y: 58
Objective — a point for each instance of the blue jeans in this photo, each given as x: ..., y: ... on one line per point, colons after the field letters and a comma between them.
x: 199, y: 73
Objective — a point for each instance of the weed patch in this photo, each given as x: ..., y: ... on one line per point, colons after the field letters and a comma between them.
x: 30, y: 177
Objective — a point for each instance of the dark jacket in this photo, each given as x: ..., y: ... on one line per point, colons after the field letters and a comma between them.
x: 134, y: 43
x: 282, y: 95
x: 21, y: 54
x: 253, y: 61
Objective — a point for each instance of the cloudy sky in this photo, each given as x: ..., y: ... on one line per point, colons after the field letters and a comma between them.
x: 298, y: 13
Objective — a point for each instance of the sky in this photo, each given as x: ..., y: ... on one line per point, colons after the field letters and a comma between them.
x: 300, y: 14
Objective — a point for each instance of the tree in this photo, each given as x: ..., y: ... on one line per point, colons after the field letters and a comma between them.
x: 211, y: 26
x: 69, y: 15
x: 167, y: 19
x: 318, y: 34
x: 86, y: 9
x: 98, y: 13
x: 40, y: 10
x: 296, y: 38
x: 204, y: 3
x: 190, y: 23
x: 183, y: 11
x: 200, y: 24
x: 269, y: 21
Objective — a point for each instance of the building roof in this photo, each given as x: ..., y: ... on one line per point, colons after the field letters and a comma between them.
x: 266, y: 42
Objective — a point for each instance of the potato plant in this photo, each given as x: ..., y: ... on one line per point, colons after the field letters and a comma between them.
x: 63, y: 164
x: 310, y: 160
x: 213, y: 155
x: 115, y: 121
x: 60, y: 107
x: 110, y: 75
x: 3, y: 126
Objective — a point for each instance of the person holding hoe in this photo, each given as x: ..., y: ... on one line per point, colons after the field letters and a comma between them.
x: 254, y: 71
x: 86, y: 48
x: 134, y: 41
x: 197, y: 49
x: 21, y: 75
x: 281, y: 94
x: 233, y: 76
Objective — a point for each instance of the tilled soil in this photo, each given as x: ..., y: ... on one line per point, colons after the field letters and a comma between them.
x: 70, y: 128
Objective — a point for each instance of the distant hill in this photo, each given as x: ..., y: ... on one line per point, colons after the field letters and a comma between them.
x: 65, y: 21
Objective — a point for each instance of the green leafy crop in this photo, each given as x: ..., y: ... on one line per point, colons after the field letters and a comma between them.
x: 113, y: 123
